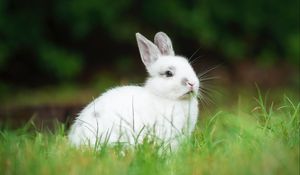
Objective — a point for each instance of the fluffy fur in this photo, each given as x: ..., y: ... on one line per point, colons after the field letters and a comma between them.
x: 166, y: 106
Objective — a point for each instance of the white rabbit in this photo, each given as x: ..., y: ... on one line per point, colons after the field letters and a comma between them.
x: 166, y: 106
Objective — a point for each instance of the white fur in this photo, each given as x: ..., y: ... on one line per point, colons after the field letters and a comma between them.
x: 160, y: 107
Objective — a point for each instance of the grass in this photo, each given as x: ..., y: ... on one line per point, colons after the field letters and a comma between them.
x: 262, y: 138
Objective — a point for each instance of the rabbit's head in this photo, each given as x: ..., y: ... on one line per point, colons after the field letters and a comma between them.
x: 170, y: 76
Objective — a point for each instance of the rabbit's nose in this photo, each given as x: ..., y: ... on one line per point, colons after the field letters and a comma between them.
x: 190, y: 84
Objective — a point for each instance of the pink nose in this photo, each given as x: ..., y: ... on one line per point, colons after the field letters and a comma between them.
x: 190, y: 84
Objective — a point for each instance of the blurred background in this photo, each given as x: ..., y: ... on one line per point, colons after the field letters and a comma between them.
x: 57, y: 55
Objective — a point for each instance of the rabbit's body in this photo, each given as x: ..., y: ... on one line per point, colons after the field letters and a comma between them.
x: 166, y: 106
x: 127, y: 114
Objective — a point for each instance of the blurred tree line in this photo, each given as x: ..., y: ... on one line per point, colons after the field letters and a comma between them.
x: 62, y: 39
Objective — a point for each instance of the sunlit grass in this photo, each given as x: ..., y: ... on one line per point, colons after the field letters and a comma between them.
x: 255, y: 136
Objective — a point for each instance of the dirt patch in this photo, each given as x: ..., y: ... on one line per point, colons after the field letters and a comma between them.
x: 43, y: 116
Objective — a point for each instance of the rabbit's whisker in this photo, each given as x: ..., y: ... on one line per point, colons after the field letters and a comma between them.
x: 204, y: 95
x: 191, y: 57
x: 208, y: 78
x: 196, y: 59
x: 207, y: 71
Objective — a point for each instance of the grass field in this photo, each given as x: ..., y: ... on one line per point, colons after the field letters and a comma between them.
x: 253, y: 136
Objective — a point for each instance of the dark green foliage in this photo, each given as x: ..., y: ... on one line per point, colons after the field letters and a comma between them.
x: 59, y: 62
x: 52, y: 30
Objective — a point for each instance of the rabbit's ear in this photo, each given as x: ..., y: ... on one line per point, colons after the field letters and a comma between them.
x: 149, y: 51
x: 164, y: 43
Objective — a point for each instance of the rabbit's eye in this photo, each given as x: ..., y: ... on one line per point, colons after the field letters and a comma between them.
x: 168, y: 73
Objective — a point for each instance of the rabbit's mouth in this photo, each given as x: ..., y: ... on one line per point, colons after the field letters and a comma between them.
x: 188, y: 94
